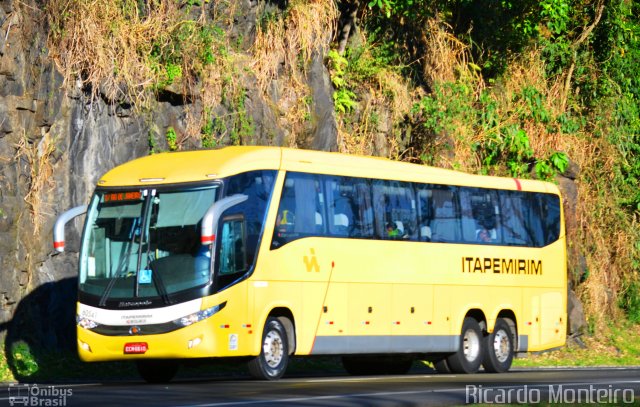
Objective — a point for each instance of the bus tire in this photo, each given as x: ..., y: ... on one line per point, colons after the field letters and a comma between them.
x: 469, y: 355
x: 498, y: 348
x: 273, y: 359
x: 157, y: 370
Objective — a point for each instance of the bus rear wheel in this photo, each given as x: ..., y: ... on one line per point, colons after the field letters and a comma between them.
x: 273, y: 359
x: 157, y: 370
x: 469, y: 355
x: 498, y: 348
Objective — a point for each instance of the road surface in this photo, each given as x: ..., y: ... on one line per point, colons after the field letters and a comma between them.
x: 615, y: 386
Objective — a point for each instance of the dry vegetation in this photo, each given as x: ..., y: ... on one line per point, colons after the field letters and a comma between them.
x: 36, y: 157
x: 284, y: 46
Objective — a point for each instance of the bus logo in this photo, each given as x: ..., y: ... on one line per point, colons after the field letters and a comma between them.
x: 18, y: 394
x: 311, y: 263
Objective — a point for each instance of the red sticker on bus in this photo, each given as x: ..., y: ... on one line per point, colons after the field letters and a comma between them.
x: 135, y: 348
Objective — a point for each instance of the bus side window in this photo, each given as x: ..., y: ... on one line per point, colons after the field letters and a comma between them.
x: 339, y: 205
x: 445, y: 226
x: 300, y: 210
x: 232, y: 255
x: 395, y: 210
x: 513, y: 219
x: 480, y: 213
x: 424, y: 212
x: 550, y: 214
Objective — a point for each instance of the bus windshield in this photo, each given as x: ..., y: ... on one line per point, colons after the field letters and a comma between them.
x: 145, y: 243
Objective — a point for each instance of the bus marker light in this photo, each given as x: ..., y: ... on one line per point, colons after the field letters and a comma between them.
x: 85, y: 346
x: 207, y: 239
x: 224, y: 326
x: 365, y: 322
x: 396, y: 322
x: 138, y: 348
x: 329, y: 322
x: 246, y: 325
x: 151, y: 179
x: 529, y: 323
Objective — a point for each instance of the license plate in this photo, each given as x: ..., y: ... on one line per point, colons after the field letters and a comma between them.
x: 135, y: 348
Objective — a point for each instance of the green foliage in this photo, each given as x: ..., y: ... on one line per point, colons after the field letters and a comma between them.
x: 630, y: 300
x: 509, y: 145
x: 536, y: 109
x: 387, y: 7
x: 190, y: 46
x: 207, y: 134
x: 555, y: 14
x: 24, y: 362
x: 172, y: 139
x: 343, y: 98
x: 152, y: 142
x: 448, y: 102
x: 547, y: 169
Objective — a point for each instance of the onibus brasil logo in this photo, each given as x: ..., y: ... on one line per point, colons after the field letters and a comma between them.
x: 33, y: 395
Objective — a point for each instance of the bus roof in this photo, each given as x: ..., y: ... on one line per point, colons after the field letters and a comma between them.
x: 207, y: 165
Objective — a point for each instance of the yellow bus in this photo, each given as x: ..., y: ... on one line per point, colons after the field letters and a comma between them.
x: 268, y: 252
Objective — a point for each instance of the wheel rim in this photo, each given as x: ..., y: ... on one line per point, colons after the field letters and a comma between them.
x: 273, y: 349
x: 501, y: 346
x: 471, y: 345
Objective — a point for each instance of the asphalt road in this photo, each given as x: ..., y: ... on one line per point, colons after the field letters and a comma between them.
x: 615, y: 386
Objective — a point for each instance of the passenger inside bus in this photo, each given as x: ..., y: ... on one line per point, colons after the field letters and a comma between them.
x: 486, y: 221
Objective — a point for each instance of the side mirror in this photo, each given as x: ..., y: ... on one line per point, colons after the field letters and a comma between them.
x: 212, y: 216
x: 58, y: 229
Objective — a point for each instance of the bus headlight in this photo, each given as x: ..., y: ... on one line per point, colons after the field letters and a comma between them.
x: 198, y: 316
x: 86, y: 323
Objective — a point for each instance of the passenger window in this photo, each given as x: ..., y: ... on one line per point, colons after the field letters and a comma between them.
x: 300, y: 211
x: 515, y: 211
x: 349, y: 207
x: 445, y: 224
x: 550, y: 214
x: 395, y: 210
x: 480, y: 215
x: 425, y: 211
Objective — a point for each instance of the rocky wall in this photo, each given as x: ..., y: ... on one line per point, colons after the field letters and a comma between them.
x: 55, y: 143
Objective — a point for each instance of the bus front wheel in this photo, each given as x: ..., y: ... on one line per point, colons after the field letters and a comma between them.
x: 272, y: 361
x: 498, y: 348
x: 157, y: 370
x: 469, y: 355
